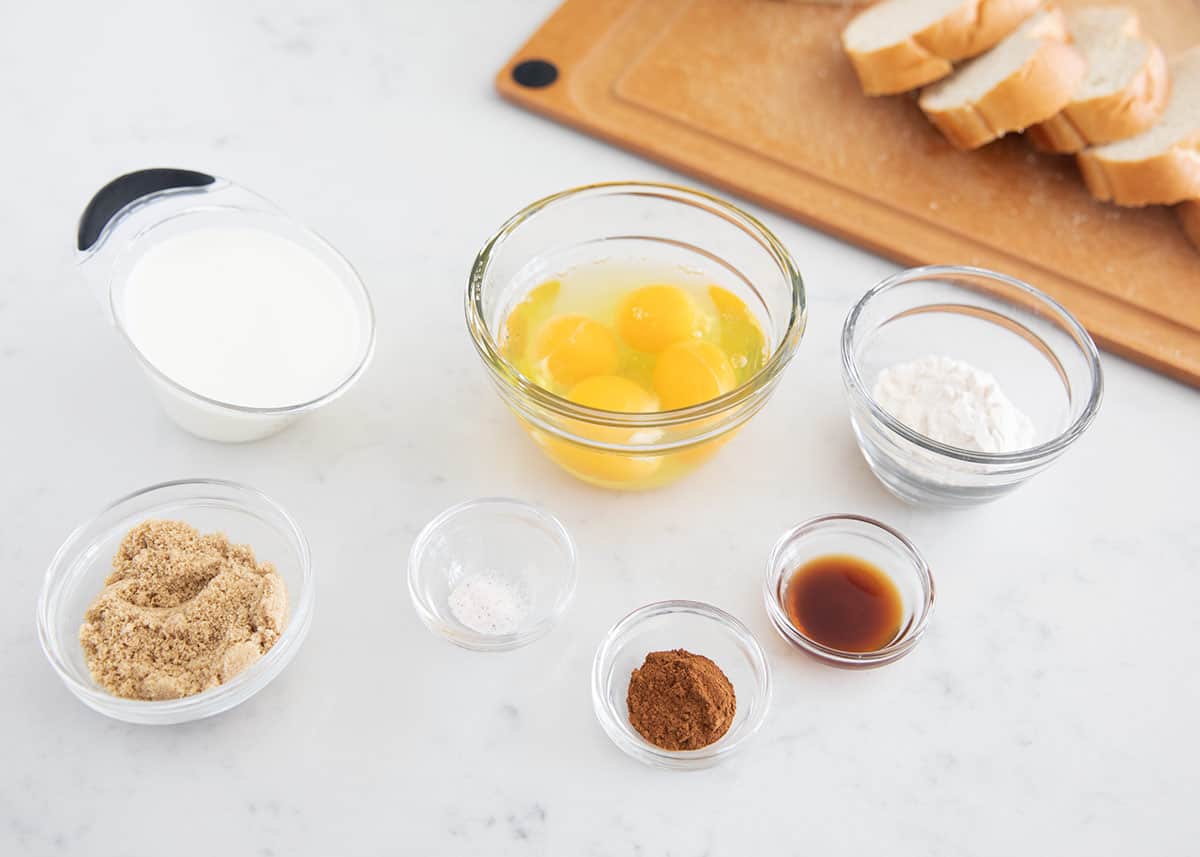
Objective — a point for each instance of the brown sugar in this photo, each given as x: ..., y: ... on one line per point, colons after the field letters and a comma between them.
x: 180, y: 613
x: 680, y: 701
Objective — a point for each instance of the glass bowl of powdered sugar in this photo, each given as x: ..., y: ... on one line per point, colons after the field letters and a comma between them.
x: 964, y: 383
x: 492, y: 574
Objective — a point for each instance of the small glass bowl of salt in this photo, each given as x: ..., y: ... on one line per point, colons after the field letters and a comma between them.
x: 492, y: 574
x: 964, y: 383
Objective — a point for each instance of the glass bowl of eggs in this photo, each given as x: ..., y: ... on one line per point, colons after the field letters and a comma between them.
x: 634, y: 328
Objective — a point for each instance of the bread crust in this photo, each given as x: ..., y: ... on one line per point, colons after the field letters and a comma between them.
x: 1111, y: 117
x: 1189, y: 218
x: 976, y: 26
x: 930, y: 54
x: 898, y: 68
x: 1033, y: 93
x: 1164, y: 179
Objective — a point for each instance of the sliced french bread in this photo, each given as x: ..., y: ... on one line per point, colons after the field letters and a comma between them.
x: 898, y: 45
x: 1025, y: 79
x: 1189, y: 219
x: 1124, y: 91
x: 1160, y: 165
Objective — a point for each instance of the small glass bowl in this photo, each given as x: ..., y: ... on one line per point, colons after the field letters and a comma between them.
x: 502, y: 536
x: 77, y: 573
x: 703, y: 630
x: 1041, y: 356
x: 867, y: 539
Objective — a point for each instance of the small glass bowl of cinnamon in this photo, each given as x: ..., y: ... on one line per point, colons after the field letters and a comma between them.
x: 701, y: 629
x: 875, y: 601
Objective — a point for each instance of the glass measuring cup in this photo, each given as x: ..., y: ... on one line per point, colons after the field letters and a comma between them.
x: 137, y: 212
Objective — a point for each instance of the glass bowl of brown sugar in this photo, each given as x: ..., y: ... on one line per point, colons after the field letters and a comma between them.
x: 79, y: 572
x: 685, y: 629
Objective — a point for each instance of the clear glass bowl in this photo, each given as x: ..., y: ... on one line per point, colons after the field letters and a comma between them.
x: 141, y: 225
x: 510, y: 539
x: 77, y: 573
x: 866, y: 539
x: 1041, y: 356
x: 634, y: 223
x: 703, y: 630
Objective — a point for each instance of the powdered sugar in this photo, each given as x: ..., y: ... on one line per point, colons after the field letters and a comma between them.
x: 953, y: 403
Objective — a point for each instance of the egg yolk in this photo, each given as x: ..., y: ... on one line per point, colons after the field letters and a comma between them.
x: 741, y: 337
x: 516, y: 326
x: 572, y: 347
x: 653, y: 317
x: 613, y: 393
x: 728, y: 303
x: 691, y: 372
x: 607, y: 393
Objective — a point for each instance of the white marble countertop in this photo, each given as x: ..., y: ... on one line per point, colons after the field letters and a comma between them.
x: 1052, y: 708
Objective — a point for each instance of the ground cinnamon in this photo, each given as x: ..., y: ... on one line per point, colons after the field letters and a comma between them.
x: 680, y: 701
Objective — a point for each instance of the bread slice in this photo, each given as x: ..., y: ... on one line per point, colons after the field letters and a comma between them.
x: 1160, y: 165
x: 1025, y: 79
x: 1189, y: 219
x: 1125, y: 89
x: 898, y: 45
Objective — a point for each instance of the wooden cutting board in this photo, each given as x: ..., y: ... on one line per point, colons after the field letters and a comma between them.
x: 755, y: 96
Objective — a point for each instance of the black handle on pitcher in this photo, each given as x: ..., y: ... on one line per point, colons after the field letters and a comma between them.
x: 125, y: 189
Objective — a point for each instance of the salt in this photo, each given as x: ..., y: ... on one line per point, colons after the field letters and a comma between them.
x: 490, y: 603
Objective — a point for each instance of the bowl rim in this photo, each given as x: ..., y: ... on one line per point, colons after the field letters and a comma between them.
x: 350, y: 276
x: 622, y: 734
x: 214, y: 700
x: 854, y: 381
x: 459, y: 634
x: 511, y: 377
x: 778, y: 615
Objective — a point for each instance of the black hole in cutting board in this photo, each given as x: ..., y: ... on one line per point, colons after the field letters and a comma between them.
x: 535, y: 74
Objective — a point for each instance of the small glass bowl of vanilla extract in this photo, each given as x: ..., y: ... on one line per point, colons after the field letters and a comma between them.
x: 848, y: 590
